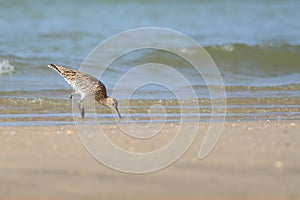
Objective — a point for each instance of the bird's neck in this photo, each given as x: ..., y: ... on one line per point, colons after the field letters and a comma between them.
x: 101, y: 100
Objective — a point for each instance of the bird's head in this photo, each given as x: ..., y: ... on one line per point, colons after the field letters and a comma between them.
x: 113, y: 104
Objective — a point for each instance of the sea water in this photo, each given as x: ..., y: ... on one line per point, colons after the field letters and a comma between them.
x: 255, y: 45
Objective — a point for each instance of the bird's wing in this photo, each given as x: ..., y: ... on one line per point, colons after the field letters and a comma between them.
x: 81, y: 81
x: 100, y: 91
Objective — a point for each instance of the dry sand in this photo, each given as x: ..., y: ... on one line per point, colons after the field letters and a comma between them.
x: 252, y: 160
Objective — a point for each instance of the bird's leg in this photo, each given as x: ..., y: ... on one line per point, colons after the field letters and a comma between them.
x: 82, y: 112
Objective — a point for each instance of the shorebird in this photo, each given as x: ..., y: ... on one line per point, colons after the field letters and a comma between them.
x: 86, y: 85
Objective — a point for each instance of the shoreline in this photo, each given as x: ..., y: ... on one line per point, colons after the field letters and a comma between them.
x: 252, y: 159
x: 44, y: 111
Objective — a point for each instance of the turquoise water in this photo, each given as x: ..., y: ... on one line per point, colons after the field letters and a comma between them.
x: 255, y: 44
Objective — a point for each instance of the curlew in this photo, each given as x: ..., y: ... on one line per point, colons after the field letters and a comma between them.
x: 86, y: 85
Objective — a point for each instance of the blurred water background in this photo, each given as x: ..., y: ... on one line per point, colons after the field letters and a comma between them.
x: 255, y: 44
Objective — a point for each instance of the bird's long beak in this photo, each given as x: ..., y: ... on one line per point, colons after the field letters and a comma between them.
x: 118, y: 113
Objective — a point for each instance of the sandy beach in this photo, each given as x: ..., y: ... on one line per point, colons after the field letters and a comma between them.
x: 252, y: 160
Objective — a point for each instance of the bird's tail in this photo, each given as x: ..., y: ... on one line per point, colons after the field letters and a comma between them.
x: 55, y: 67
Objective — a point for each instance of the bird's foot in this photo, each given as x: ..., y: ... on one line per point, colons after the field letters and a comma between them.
x: 82, y: 112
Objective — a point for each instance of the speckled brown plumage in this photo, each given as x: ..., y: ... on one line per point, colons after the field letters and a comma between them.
x: 86, y: 85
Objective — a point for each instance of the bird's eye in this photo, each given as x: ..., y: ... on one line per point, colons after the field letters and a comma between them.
x: 113, y: 104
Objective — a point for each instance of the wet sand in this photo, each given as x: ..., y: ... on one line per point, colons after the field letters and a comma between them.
x: 252, y: 160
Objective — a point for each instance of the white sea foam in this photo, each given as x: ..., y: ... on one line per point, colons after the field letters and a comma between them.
x: 228, y: 47
x: 6, y: 67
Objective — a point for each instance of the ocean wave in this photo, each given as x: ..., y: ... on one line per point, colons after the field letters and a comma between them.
x: 6, y: 67
x: 249, y: 70
x: 230, y: 47
x: 262, y: 60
